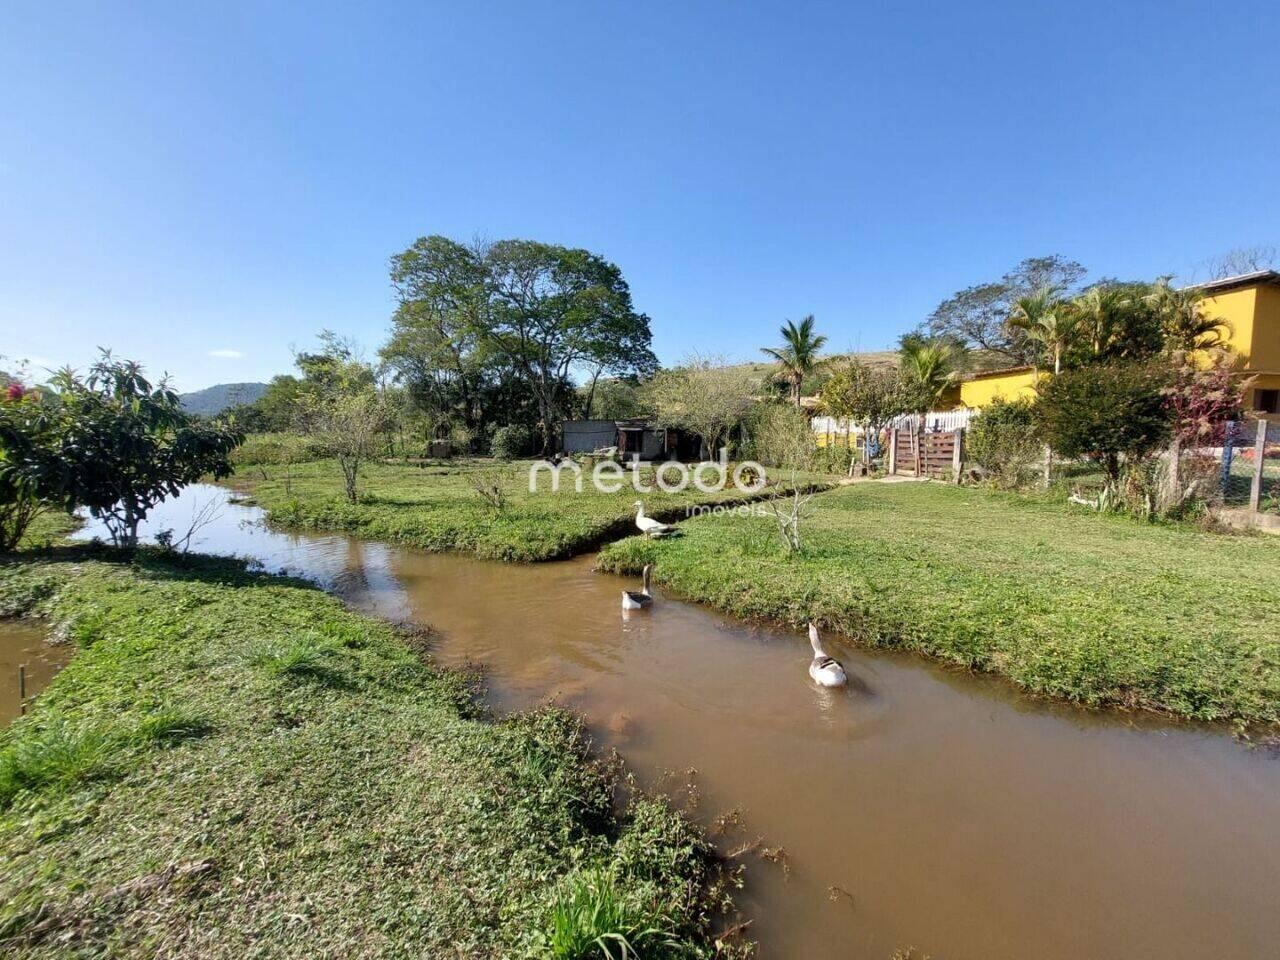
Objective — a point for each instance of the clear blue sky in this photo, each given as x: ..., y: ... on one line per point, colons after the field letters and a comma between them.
x: 176, y: 182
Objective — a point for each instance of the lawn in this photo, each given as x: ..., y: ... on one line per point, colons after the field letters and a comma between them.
x: 1101, y: 610
x: 434, y: 506
x: 233, y: 765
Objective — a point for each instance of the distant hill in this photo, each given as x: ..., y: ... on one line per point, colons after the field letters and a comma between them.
x: 215, y: 399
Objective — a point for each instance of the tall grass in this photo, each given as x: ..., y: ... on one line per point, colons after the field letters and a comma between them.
x: 591, y: 917
x: 57, y: 756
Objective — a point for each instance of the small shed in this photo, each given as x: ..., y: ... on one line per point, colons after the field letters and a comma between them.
x: 637, y: 438
x: 640, y: 439
x: 584, y: 436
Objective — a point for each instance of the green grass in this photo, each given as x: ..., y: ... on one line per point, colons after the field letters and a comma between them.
x: 1101, y: 610
x: 434, y: 507
x: 234, y: 765
x: 47, y: 528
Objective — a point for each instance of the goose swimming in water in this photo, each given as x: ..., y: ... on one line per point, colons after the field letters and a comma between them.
x: 631, y: 600
x: 826, y: 671
x: 650, y: 526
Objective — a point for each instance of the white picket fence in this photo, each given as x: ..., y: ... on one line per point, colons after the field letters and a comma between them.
x: 933, y: 421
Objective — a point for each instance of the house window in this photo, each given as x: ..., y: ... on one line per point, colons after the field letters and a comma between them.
x: 1266, y: 401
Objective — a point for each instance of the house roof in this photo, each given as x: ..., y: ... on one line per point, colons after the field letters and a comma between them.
x: 1256, y: 279
x: 1007, y: 371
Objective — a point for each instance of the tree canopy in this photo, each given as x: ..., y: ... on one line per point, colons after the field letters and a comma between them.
x: 471, y: 319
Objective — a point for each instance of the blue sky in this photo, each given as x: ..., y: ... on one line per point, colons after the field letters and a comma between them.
x: 200, y: 189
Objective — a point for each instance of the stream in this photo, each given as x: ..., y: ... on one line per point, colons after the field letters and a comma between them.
x: 920, y: 807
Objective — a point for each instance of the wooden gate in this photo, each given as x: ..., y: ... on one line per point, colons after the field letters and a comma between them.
x: 937, y: 455
x: 940, y: 454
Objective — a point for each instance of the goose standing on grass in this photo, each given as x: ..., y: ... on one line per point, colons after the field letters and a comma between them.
x: 650, y: 526
x: 631, y: 600
x: 826, y: 671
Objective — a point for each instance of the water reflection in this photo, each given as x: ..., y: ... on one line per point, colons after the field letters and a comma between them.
x: 947, y: 811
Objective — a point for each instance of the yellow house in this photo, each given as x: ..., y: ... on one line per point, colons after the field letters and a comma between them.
x: 981, y: 389
x: 1250, y: 304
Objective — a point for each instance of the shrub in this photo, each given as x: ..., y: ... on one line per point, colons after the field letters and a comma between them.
x: 112, y: 442
x: 1108, y: 413
x: 512, y: 441
x: 781, y: 436
x: 1002, y: 440
x: 275, y: 448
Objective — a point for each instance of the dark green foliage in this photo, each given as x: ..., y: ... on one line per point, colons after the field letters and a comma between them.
x: 797, y: 358
x: 512, y: 441
x: 1106, y: 412
x: 491, y: 333
x: 111, y: 442
x: 1002, y: 440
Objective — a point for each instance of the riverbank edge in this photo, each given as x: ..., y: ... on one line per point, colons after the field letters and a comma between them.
x: 134, y: 710
x: 792, y: 608
x: 333, y: 514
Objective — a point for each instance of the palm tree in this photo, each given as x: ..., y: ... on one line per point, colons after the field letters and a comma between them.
x: 1046, y: 320
x: 929, y: 367
x: 798, y: 355
x: 1185, y: 325
x: 1103, y: 313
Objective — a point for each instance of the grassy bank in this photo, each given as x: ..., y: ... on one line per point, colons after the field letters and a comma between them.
x: 1096, y: 609
x: 436, y: 507
x: 234, y: 765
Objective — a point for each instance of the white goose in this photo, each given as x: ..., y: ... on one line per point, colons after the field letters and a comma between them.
x: 650, y: 526
x: 826, y: 671
x: 631, y: 600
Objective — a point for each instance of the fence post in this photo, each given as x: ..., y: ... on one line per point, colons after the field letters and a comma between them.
x: 893, y: 449
x: 917, y: 431
x: 957, y: 456
x: 1228, y: 447
x: 1259, y: 453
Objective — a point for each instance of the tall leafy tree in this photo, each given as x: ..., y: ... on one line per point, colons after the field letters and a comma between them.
x: 798, y: 355
x: 978, y: 316
x: 554, y: 309
x: 436, y: 345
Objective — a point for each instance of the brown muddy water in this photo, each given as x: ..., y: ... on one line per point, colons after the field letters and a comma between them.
x: 920, y: 807
x: 24, y: 645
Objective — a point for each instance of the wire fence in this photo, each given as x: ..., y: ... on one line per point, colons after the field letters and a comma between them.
x: 1248, y: 465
